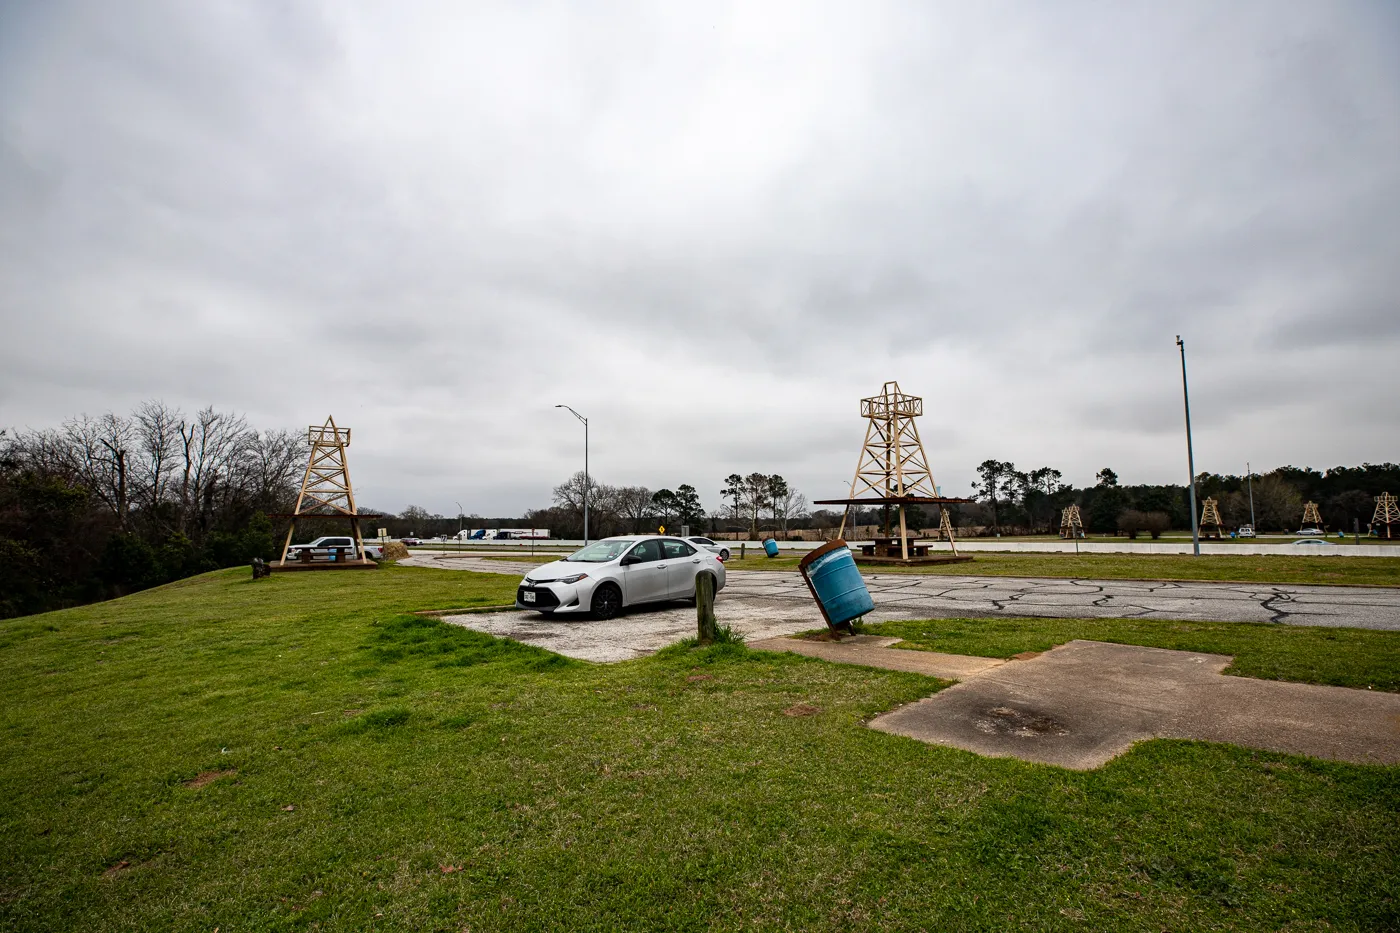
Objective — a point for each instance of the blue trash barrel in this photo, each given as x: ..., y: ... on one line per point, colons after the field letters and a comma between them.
x: 770, y: 547
x: 832, y: 573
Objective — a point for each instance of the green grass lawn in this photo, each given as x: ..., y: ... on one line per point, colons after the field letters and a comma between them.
x: 1342, y: 657
x: 300, y: 753
x: 1271, y: 568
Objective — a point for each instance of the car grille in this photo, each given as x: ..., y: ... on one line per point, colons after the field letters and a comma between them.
x: 544, y: 598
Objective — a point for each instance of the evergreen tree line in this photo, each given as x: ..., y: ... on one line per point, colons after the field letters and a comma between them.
x: 1015, y: 501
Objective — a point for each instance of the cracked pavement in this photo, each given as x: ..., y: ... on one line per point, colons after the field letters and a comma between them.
x: 910, y: 596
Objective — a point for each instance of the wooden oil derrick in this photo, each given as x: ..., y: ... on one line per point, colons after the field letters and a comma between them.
x: 1387, y: 513
x: 326, y: 493
x: 1071, y: 524
x: 1210, y: 516
x: 892, y: 470
x: 945, y: 527
x: 1311, y: 517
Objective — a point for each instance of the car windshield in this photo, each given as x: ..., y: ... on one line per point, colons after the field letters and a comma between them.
x: 600, y: 552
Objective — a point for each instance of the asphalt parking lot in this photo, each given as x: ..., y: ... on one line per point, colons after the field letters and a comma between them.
x: 762, y: 604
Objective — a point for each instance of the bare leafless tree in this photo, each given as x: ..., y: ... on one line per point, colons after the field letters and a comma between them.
x: 634, y: 503
x: 210, y: 447
x: 157, y: 433
x: 98, y: 450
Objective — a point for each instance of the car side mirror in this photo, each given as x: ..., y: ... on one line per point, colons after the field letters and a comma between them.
x: 631, y: 559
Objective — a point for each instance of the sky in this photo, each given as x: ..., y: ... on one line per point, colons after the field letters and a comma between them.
x: 711, y: 228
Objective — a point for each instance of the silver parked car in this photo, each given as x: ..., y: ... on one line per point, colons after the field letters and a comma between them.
x: 614, y: 573
x: 714, y: 547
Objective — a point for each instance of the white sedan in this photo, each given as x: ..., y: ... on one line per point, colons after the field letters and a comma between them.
x: 614, y: 573
x: 714, y: 547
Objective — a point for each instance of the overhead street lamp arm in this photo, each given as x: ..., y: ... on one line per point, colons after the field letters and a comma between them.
x: 575, y: 414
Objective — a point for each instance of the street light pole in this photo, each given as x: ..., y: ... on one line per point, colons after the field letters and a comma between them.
x: 586, y: 481
x: 1190, y: 457
x: 1249, y: 479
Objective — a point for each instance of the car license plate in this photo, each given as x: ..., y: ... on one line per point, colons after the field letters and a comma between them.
x: 528, y: 596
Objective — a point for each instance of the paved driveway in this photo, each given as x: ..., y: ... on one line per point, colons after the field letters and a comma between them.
x: 763, y: 604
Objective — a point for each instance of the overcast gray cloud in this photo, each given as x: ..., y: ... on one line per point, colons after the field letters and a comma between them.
x: 712, y: 228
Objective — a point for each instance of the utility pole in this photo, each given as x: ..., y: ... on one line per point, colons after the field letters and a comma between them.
x: 1250, y: 480
x: 1190, y: 457
x: 586, y: 482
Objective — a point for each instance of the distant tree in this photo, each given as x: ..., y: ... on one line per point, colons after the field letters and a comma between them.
x: 1155, y: 523
x: 1131, y: 521
x: 664, y: 504
x: 1348, y: 510
x: 1278, y: 506
x: 994, y: 477
x: 418, y: 517
x: 734, y: 491
x: 689, y: 510
x: 1108, y: 502
x: 787, y: 504
x: 635, y: 505
x: 755, y: 498
x: 1042, y: 486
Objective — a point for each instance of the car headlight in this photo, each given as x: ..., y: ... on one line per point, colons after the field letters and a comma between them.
x: 575, y: 578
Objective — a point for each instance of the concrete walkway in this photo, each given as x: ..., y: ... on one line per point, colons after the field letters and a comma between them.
x: 1084, y: 703
x: 926, y: 596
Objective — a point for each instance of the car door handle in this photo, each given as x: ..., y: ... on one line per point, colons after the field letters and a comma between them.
x: 696, y: 561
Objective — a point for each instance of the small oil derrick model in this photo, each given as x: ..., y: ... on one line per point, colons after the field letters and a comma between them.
x: 1387, y: 514
x: 1071, y: 525
x: 1211, y: 525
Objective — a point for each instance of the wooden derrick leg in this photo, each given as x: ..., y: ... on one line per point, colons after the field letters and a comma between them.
x: 282, y: 558
x: 903, y: 536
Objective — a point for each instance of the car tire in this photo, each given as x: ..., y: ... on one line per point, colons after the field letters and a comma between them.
x: 724, y: 554
x: 606, y: 603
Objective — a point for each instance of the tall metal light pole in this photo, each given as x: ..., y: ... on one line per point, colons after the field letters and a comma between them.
x: 1190, y: 457
x: 1249, y: 479
x: 586, y: 482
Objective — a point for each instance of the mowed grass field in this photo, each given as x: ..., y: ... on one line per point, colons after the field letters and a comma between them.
x: 302, y: 753
x: 1270, y: 568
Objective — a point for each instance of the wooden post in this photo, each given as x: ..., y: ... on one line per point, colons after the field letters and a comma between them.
x: 705, y: 608
x: 903, y: 536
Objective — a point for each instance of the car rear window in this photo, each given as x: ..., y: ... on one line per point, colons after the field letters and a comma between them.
x: 673, y: 548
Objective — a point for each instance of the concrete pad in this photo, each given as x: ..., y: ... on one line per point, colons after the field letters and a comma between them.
x: 1084, y: 703
x: 644, y: 630
x: 873, y: 651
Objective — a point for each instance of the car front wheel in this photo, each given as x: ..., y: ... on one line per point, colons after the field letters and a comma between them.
x: 607, y: 602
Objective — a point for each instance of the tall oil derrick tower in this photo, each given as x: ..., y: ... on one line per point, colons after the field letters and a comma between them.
x: 326, y: 493
x: 893, y: 471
